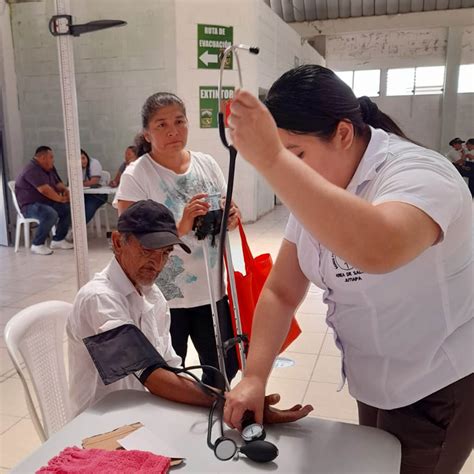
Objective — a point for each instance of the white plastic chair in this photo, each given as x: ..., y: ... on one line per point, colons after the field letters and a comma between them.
x: 35, y: 336
x: 21, y: 220
x: 104, y: 181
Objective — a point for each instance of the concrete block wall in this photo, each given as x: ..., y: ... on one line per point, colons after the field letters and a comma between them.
x: 418, y: 116
x: 116, y: 70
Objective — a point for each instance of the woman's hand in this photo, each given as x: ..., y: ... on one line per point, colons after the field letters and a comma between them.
x: 195, y: 207
x: 249, y: 394
x: 253, y: 130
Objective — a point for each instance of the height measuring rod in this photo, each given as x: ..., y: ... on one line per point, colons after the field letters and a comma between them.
x: 61, y: 26
x: 73, y: 148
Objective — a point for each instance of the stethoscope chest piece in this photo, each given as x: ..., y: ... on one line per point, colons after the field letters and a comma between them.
x: 225, y: 448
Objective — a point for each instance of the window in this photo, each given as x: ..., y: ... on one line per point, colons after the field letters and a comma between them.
x: 417, y: 81
x: 362, y: 82
x: 367, y: 83
x: 466, y: 78
x: 346, y: 76
x: 429, y: 80
x: 400, y: 81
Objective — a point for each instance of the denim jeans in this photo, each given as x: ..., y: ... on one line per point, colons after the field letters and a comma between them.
x: 53, y: 213
x: 92, y: 202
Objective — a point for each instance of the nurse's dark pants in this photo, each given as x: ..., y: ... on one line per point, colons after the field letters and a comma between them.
x: 436, y: 432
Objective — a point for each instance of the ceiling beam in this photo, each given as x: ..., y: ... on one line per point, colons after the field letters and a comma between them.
x: 417, y: 20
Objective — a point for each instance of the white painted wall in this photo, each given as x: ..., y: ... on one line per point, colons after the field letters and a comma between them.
x: 281, y: 49
x: 419, y: 116
x: 254, y: 24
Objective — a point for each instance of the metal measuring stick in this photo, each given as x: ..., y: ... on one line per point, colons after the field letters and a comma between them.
x: 60, y: 25
x: 73, y: 148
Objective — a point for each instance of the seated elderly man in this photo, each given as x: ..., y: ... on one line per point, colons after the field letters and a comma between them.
x: 42, y: 195
x: 124, y: 293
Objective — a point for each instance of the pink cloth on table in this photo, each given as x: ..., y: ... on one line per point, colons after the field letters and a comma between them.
x: 76, y: 460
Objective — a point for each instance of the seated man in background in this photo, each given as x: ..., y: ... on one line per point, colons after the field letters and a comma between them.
x: 458, y: 156
x: 42, y: 195
x: 130, y: 156
x: 125, y: 293
x: 457, y: 152
x: 469, y: 155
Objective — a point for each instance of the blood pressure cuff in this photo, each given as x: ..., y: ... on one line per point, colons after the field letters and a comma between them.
x: 122, y: 351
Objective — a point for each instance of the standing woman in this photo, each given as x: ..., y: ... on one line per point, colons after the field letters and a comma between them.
x: 181, y: 179
x: 384, y: 227
x: 91, y: 176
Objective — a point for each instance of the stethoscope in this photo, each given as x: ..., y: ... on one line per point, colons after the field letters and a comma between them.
x: 255, y: 447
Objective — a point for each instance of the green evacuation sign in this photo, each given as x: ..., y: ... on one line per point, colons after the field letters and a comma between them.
x: 209, y: 105
x: 212, y: 41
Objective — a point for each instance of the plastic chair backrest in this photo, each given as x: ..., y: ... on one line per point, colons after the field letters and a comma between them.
x: 11, y: 185
x: 105, y: 178
x: 35, y: 336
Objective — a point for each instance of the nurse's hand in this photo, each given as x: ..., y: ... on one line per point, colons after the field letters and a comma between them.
x: 253, y: 131
x: 249, y: 395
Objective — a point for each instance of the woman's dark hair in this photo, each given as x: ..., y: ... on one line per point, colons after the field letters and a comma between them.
x: 133, y: 148
x: 88, y: 166
x: 152, y: 105
x: 312, y: 99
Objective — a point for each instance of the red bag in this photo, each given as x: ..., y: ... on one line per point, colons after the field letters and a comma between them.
x: 248, y: 289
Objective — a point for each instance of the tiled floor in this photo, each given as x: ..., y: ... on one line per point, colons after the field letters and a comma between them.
x: 27, y: 279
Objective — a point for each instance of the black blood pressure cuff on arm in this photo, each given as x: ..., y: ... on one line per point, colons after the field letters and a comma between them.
x: 122, y: 351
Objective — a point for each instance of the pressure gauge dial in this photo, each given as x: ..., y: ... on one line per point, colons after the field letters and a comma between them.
x: 253, y: 432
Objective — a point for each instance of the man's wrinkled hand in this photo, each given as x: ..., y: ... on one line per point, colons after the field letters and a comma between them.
x: 275, y: 415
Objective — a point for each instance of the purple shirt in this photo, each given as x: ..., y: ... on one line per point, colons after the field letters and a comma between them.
x: 32, y: 177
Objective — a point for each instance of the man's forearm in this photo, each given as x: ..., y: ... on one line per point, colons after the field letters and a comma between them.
x: 50, y: 193
x: 177, y: 389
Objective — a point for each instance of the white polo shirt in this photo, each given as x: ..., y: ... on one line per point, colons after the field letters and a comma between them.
x: 455, y: 155
x: 410, y: 332
x: 107, y: 301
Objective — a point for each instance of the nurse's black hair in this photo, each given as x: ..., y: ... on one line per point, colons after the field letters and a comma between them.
x: 153, y: 104
x: 312, y: 99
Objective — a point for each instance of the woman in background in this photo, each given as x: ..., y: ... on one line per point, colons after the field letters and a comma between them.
x: 130, y: 155
x: 91, y: 177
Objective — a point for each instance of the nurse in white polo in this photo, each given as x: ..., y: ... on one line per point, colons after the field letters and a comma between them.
x: 384, y: 227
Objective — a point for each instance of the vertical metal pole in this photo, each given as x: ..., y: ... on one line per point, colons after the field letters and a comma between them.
x: 235, y: 300
x: 73, y: 148
x: 215, y: 315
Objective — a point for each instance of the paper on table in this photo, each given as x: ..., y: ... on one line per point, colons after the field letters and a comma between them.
x: 144, y: 440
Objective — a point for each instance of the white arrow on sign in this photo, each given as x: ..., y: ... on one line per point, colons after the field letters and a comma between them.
x: 207, y: 58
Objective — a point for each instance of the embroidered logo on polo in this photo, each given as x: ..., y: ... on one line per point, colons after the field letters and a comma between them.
x: 345, y: 271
